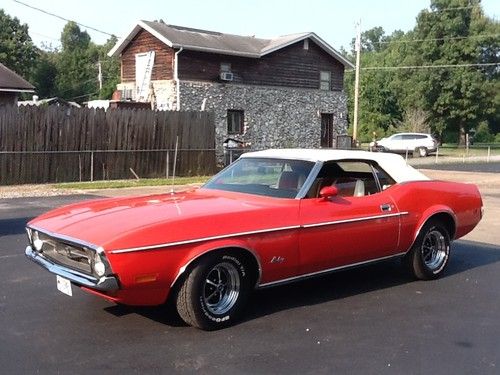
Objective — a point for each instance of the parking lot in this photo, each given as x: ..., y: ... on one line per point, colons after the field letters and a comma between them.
x: 368, y: 320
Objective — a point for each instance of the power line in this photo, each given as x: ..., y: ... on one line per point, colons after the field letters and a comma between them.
x: 426, y: 66
x: 438, y: 39
x: 45, y: 36
x: 454, y: 8
x: 83, y: 96
x: 62, y: 18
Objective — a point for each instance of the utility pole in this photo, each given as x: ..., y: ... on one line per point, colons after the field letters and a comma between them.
x: 357, y: 48
x: 99, y: 77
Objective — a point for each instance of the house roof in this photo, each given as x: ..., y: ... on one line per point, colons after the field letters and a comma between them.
x: 11, y: 81
x: 216, y: 42
x: 49, y: 101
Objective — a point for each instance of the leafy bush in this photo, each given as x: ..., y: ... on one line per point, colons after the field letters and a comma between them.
x: 483, y: 134
x: 497, y: 138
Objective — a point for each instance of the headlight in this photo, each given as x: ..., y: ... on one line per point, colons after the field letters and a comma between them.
x: 37, y: 242
x: 99, y: 266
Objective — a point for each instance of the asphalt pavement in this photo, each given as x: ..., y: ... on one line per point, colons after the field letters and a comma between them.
x: 369, y: 320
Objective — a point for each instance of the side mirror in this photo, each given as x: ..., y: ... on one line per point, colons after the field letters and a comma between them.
x: 328, y: 192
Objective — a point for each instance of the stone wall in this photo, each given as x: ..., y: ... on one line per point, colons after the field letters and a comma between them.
x: 275, y: 117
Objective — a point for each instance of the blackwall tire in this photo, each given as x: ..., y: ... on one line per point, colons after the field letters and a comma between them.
x: 214, y: 292
x: 430, y: 253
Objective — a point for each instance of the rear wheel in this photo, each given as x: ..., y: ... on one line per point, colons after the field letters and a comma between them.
x: 214, y: 292
x: 422, y: 152
x: 430, y: 253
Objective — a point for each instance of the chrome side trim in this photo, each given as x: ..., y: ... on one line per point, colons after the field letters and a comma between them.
x: 365, y: 218
x: 105, y: 283
x: 239, y: 234
x: 317, y: 273
x: 187, y: 242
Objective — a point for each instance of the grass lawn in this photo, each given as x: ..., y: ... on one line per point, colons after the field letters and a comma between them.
x: 475, y: 150
x: 451, y: 150
x: 113, y: 184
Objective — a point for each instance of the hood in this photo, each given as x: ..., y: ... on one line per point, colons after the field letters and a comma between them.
x: 119, y: 223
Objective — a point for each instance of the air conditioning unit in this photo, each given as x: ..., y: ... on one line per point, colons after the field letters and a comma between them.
x: 226, y: 76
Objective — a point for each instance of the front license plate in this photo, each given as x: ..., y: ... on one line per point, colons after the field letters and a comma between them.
x: 64, y: 285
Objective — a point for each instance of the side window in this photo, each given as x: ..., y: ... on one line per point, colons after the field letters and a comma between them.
x: 384, y: 179
x: 351, y: 178
x: 397, y: 138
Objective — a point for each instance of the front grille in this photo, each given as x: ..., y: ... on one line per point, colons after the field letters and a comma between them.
x: 67, y: 255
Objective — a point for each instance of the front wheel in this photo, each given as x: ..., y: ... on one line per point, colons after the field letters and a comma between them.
x: 214, y: 291
x: 429, y: 255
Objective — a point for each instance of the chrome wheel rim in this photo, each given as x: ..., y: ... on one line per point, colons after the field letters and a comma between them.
x: 434, y: 250
x: 221, y: 288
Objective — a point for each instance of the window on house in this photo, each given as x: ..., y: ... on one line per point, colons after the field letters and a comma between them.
x: 225, y: 67
x: 325, y: 80
x: 235, y: 121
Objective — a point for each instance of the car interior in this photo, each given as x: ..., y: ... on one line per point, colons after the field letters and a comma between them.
x: 351, y: 178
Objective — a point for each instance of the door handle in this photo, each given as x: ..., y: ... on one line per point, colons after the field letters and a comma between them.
x: 386, y: 207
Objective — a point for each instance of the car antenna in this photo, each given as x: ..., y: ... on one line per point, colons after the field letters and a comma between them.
x: 175, y: 162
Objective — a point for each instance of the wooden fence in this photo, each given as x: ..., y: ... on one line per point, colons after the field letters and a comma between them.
x: 56, y: 144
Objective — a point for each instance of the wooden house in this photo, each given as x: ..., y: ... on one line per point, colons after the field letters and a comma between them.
x: 11, y: 85
x: 281, y: 92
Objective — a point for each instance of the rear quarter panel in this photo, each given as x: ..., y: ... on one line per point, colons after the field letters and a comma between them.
x: 423, y: 199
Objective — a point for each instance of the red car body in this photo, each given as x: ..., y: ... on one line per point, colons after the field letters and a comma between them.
x: 149, y: 243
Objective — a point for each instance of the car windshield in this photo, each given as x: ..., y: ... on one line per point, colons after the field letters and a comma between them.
x: 269, y: 177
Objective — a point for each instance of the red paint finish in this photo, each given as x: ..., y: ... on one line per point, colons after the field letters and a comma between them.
x: 160, y: 235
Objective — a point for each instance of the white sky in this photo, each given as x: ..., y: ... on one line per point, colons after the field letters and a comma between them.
x: 332, y: 20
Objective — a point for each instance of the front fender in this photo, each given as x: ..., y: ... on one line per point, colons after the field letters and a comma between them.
x: 198, y: 251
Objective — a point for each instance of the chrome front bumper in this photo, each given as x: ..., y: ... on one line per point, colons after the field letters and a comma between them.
x: 105, y: 283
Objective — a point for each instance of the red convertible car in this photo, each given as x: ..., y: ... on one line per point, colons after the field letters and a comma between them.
x: 269, y: 218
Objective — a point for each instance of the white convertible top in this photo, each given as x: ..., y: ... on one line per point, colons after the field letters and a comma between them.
x: 393, y: 164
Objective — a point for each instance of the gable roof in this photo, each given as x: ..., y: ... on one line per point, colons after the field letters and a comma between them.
x: 13, y: 82
x: 226, y: 44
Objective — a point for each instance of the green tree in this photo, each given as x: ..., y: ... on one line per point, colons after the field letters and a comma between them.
x: 110, y: 67
x: 454, y: 33
x: 78, y: 66
x: 379, y: 105
x: 44, y: 74
x: 448, y: 100
x: 17, y: 51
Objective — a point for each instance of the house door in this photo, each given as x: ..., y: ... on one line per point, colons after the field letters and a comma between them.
x: 326, y: 130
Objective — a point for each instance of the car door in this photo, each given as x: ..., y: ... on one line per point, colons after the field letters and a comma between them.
x: 396, y: 143
x: 411, y: 142
x: 355, y: 226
